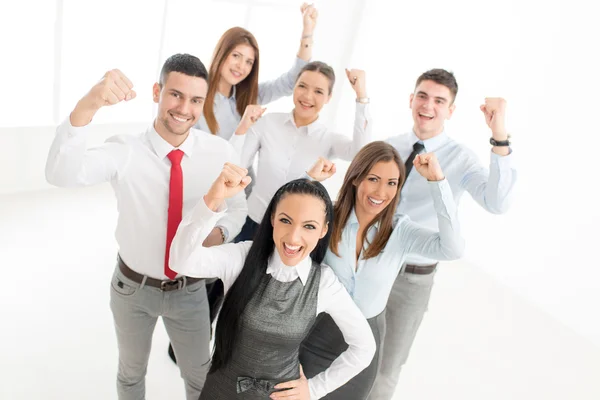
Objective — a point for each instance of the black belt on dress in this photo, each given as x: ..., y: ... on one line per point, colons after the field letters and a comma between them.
x: 166, y: 285
x: 420, y: 269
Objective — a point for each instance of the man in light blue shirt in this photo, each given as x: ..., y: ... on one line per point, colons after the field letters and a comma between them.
x: 432, y: 103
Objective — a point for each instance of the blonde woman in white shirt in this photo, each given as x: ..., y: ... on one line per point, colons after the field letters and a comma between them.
x: 275, y: 288
x: 288, y: 143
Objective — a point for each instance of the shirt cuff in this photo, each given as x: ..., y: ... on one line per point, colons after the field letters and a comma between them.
x: 307, y: 177
x: 362, y: 110
x: 300, y: 63
x: 237, y: 142
x: 73, y: 131
x: 314, y: 393
x: 502, y: 161
x: 225, y: 232
x: 363, y: 117
x: 228, y: 226
x: 442, y: 195
x: 205, y: 214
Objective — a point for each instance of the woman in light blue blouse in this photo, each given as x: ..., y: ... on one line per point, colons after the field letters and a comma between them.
x: 368, y: 247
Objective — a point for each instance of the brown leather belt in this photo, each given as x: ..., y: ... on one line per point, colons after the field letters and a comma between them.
x: 420, y: 269
x: 165, y: 286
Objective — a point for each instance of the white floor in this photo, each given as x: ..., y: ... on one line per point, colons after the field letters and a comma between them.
x: 478, y: 341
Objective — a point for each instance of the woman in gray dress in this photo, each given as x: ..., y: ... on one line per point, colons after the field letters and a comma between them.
x: 276, y: 286
x: 233, y: 85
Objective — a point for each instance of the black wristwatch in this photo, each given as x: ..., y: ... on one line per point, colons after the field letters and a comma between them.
x: 494, y: 142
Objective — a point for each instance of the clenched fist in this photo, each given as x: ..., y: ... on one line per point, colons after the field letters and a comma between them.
x: 358, y: 81
x: 231, y: 181
x: 113, y: 88
x: 494, y: 111
x: 309, y: 18
x: 322, y: 169
x: 428, y: 166
x: 252, y: 113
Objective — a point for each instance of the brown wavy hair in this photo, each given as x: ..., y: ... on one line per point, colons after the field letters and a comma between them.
x: 246, y: 90
x: 358, y: 170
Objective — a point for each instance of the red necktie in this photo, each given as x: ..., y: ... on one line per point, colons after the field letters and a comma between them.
x: 175, y: 205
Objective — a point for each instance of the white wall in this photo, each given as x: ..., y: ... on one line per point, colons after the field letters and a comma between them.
x: 23, y: 153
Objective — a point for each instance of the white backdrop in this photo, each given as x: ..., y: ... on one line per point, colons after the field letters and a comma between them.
x: 540, y: 55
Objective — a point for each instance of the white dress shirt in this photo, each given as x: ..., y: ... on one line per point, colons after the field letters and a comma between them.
x: 225, y: 109
x: 286, y: 152
x: 226, y: 261
x: 492, y: 188
x: 370, y: 281
x: 139, y: 171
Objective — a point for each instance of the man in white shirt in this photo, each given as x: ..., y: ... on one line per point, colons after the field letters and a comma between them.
x: 432, y: 103
x: 158, y: 176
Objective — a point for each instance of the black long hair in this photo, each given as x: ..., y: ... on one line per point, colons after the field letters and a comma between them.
x: 255, y: 267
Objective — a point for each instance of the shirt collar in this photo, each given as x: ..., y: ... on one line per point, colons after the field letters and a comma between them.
x: 220, y: 98
x: 162, y: 148
x: 311, y: 129
x: 431, y: 144
x: 219, y: 95
x: 276, y: 267
x: 352, y: 219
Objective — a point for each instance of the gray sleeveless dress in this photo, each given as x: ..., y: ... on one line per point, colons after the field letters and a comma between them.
x: 272, y: 328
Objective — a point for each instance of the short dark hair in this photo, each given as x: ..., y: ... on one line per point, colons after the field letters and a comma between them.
x: 324, y: 69
x: 184, y: 63
x: 442, y: 77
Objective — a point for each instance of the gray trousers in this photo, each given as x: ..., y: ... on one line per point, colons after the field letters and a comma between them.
x: 136, y: 309
x: 405, y: 309
x: 325, y: 343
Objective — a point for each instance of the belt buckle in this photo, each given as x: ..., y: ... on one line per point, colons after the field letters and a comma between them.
x: 166, y: 286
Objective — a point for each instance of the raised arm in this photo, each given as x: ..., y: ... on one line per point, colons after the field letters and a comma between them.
x: 447, y: 244
x: 69, y: 161
x: 342, y: 147
x: 284, y: 85
x: 237, y: 208
x: 492, y: 189
x: 188, y: 256
x: 252, y: 113
x: 246, y: 139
